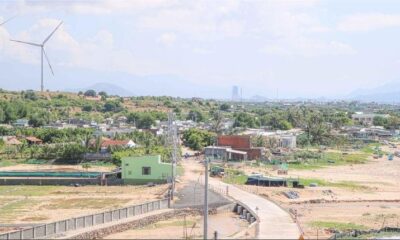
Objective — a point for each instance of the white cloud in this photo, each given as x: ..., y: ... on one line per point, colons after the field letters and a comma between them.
x: 308, y: 48
x: 97, y: 52
x: 98, y: 7
x: 368, y: 22
x: 167, y: 39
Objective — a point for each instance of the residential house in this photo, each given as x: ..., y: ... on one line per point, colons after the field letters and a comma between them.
x: 145, y: 169
x: 241, y: 143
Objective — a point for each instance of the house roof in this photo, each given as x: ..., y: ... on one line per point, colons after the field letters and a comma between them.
x: 13, y: 141
x: 33, y: 139
x: 114, y: 143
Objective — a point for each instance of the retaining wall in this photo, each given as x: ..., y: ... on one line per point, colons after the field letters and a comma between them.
x: 49, y: 229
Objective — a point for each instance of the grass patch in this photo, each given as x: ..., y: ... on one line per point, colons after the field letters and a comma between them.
x: 11, y: 210
x: 233, y: 176
x: 26, y: 190
x: 330, y: 159
x: 7, y: 163
x: 82, y: 203
x: 341, y: 184
x: 340, y: 226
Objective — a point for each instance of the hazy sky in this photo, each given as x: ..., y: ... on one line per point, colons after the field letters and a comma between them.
x: 300, y: 48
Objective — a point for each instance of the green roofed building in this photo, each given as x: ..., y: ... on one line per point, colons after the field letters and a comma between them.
x: 145, y: 169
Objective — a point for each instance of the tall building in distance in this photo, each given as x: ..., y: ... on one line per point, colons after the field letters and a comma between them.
x: 235, y: 94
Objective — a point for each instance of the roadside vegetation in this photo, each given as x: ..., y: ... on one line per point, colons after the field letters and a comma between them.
x: 339, y: 226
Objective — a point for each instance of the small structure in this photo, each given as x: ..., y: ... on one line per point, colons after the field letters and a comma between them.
x: 21, y: 123
x: 224, y: 153
x: 240, y: 144
x: 260, y: 180
x: 33, y: 140
x: 367, y: 118
x: 145, y: 169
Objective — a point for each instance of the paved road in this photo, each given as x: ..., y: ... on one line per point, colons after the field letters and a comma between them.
x: 192, y: 195
x: 274, y: 222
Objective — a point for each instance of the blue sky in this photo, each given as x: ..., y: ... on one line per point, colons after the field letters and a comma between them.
x: 201, y: 48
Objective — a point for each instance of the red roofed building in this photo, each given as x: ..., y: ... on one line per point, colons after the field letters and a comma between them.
x: 33, y: 140
x: 118, y: 143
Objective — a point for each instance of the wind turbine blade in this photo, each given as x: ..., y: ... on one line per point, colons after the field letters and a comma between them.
x: 48, y: 61
x: 6, y: 21
x: 51, y: 34
x: 29, y: 43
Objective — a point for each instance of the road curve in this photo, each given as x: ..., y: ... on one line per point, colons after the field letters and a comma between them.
x: 274, y: 222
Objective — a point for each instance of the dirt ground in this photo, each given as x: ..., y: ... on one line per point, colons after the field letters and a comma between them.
x: 366, y: 195
x: 227, y: 224
x: 38, y: 204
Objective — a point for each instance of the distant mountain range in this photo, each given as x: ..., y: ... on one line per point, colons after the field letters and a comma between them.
x: 387, y: 93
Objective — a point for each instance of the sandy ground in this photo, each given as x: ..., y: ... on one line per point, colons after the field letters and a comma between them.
x: 54, y: 168
x: 38, y: 204
x: 226, y: 224
x: 369, y: 195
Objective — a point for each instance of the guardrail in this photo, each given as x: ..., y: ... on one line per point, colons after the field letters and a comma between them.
x: 49, y: 229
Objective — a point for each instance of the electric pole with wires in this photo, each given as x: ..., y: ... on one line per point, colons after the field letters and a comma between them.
x: 173, y: 144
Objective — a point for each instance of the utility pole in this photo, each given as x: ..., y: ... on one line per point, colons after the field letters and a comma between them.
x: 173, y: 140
x: 205, y: 227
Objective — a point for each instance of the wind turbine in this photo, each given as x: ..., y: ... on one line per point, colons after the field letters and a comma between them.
x: 43, y: 52
x: 6, y: 21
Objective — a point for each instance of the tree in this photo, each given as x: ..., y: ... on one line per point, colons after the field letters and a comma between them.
x: 224, y: 107
x: 30, y: 94
x: 195, y: 115
x: 90, y: 93
x: 103, y: 94
x: 393, y: 122
x: 316, y: 129
x: 87, y: 108
x: 111, y: 106
x: 380, y: 121
x: 243, y: 119
x: 196, y: 139
x: 217, y: 123
x: 259, y: 141
x: 145, y: 121
x: 2, y: 115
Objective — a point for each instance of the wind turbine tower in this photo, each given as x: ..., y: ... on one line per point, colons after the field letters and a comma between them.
x: 43, y: 52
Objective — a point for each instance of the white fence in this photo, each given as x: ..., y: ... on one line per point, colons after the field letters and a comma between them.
x: 49, y: 229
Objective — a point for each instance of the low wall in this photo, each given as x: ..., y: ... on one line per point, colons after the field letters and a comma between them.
x: 137, y: 223
x: 81, y: 222
x: 57, y: 181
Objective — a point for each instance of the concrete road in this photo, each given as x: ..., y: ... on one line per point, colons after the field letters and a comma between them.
x: 274, y: 222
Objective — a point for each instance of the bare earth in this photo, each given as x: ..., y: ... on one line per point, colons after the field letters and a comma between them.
x: 38, y: 204
x: 369, y: 196
x: 227, y: 224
